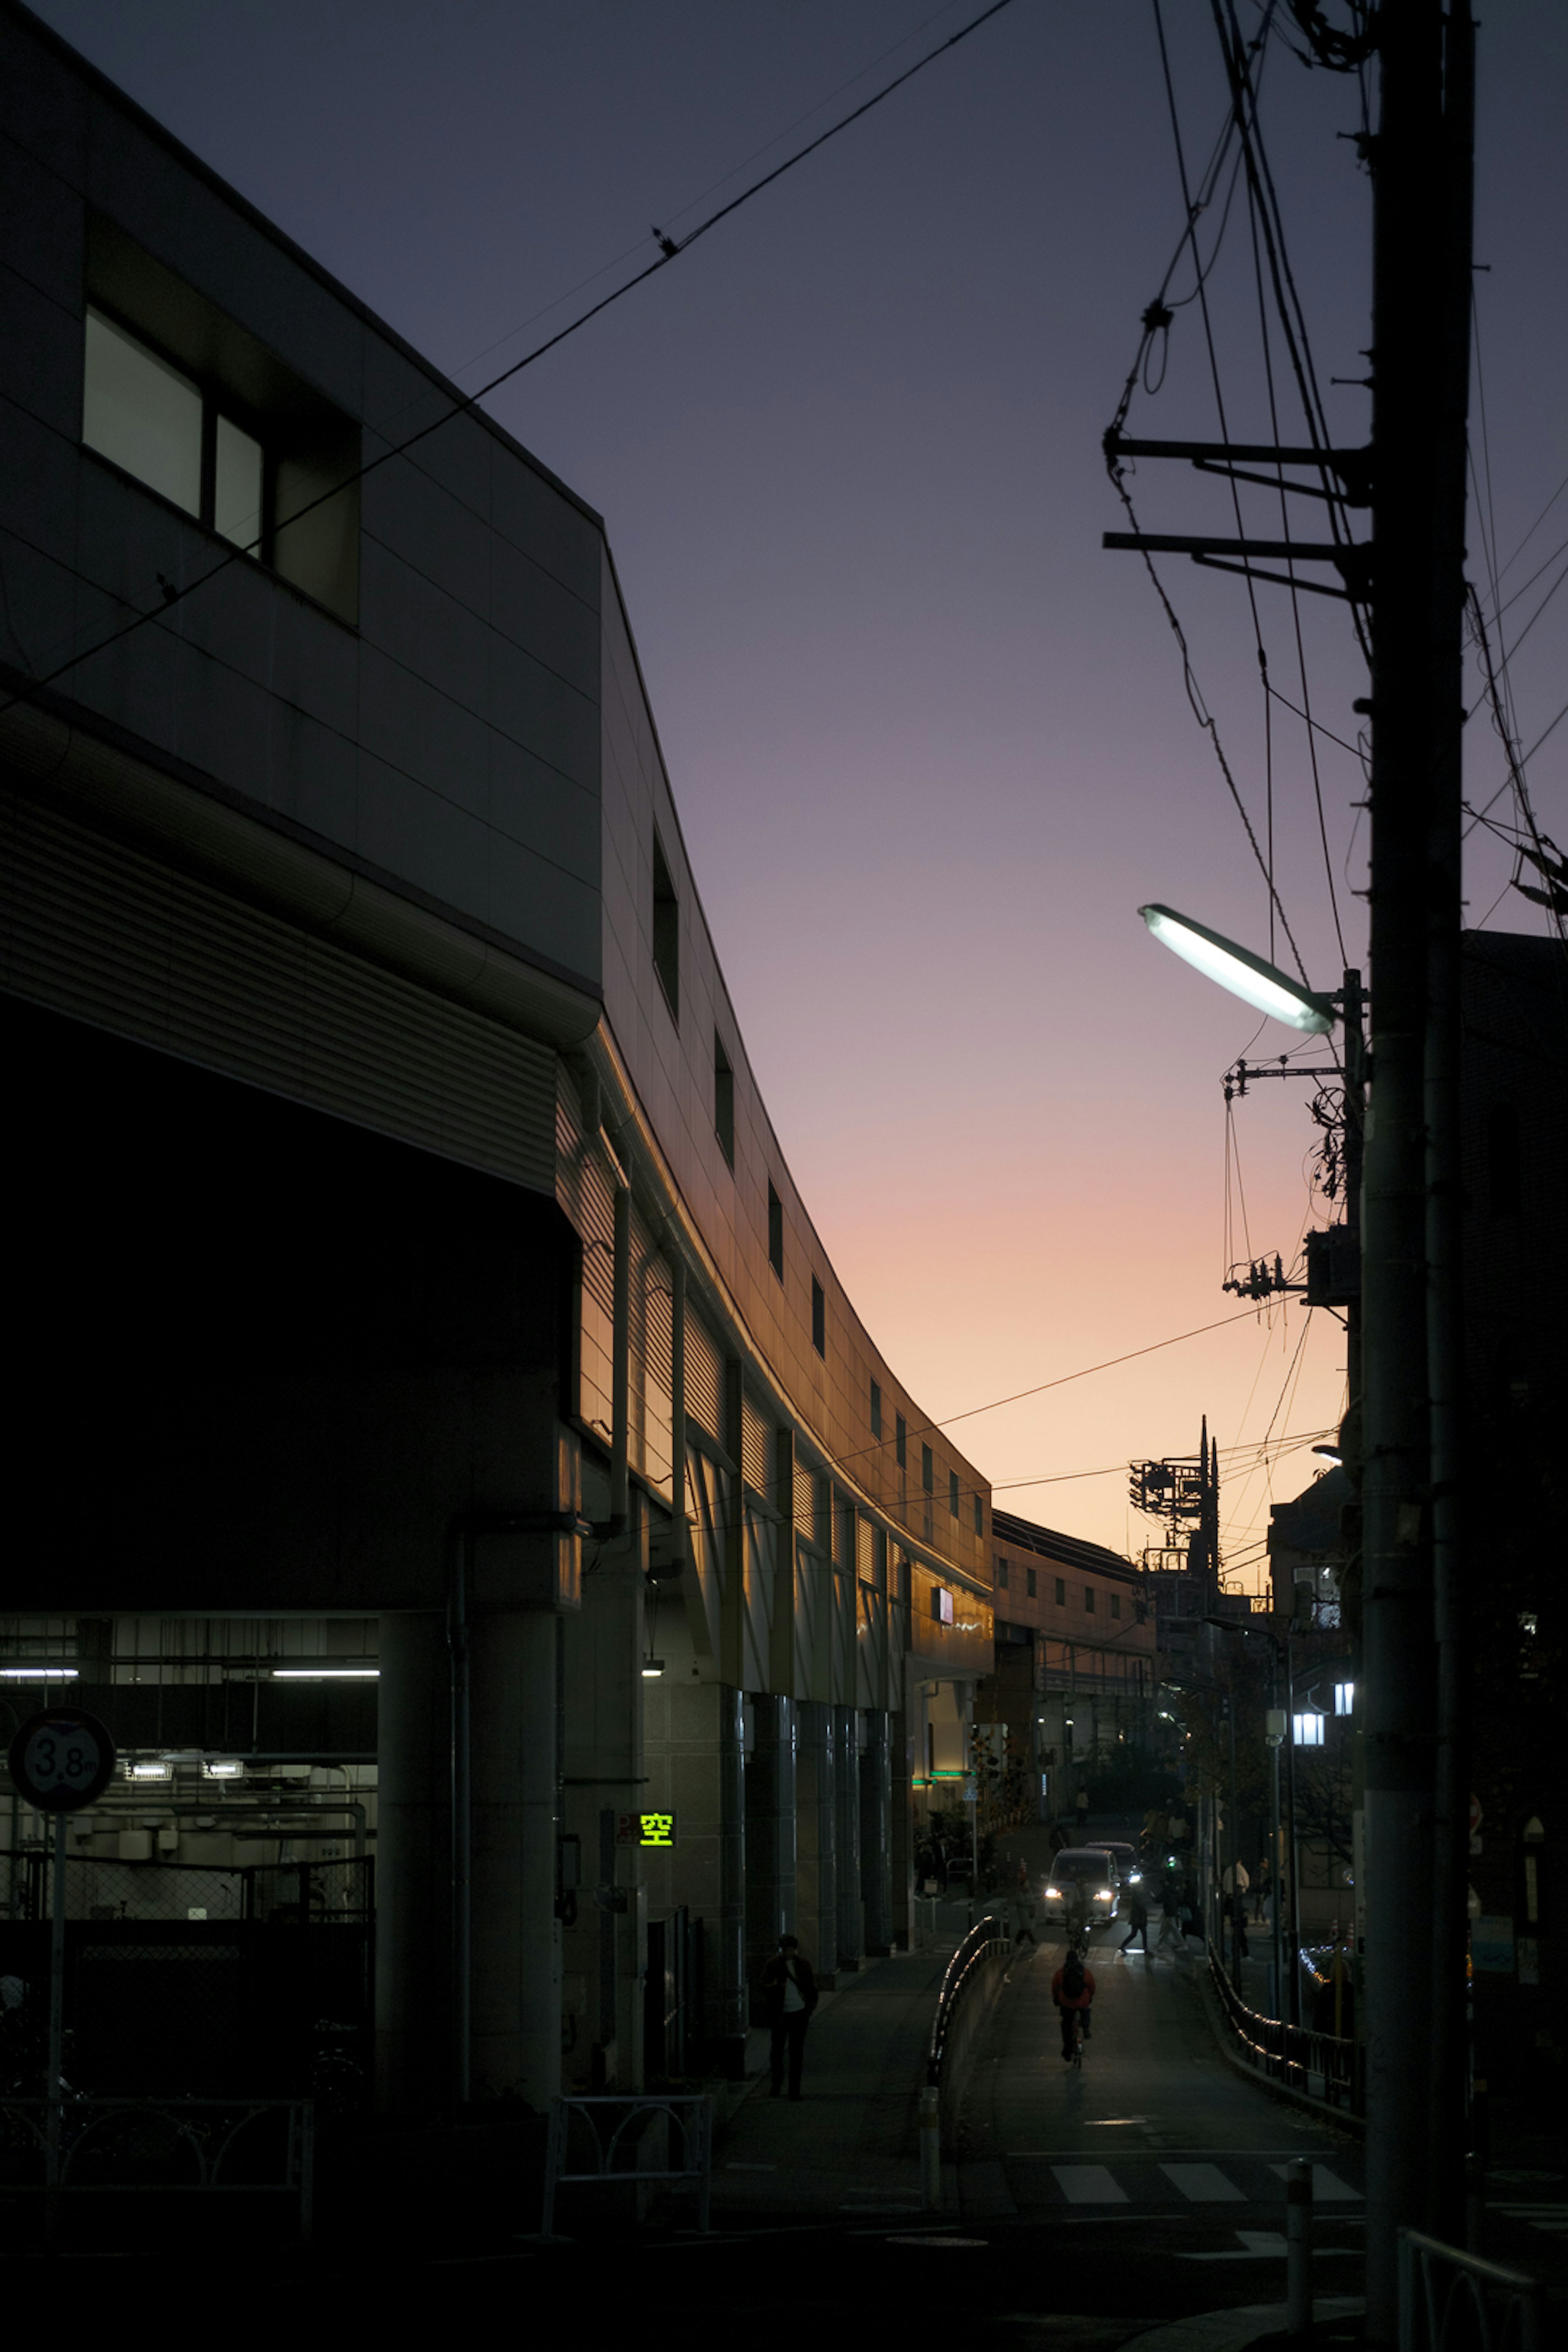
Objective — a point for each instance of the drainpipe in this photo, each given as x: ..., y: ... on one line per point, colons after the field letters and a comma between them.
x: 462, y: 1818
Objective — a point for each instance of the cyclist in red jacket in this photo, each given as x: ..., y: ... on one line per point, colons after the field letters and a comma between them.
x: 1072, y: 1989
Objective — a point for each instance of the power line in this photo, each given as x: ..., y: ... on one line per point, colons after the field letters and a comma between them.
x: 677, y: 212
x: 672, y: 249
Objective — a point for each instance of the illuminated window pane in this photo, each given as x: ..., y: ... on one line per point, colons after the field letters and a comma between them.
x: 141, y: 413
x: 237, y: 486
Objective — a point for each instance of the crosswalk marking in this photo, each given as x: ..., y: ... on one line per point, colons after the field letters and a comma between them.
x: 1326, y: 2185
x: 1089, y: 2184
x: 1205, y: 2184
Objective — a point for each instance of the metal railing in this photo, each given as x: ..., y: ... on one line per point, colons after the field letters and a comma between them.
x: 981, y: 1943
x: 1442, y: 2289
x: 176, y: 2147
x: 1318, y: 2065
x: 689, y: 2112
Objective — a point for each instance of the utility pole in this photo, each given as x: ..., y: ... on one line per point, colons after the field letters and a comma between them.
x: 1415, y: 2073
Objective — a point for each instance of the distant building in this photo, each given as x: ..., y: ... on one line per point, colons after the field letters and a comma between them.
x: 440, y: 1436
x: 1076, y: 1668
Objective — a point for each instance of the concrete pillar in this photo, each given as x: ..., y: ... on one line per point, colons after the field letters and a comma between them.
x: 515, y: 1948
x: 726, y: 1962
x: 603, y: 1769
x: 876, y: 1830
x: 414, y: 2006
x: 694, y: 1759
x: 847, y: 1790
x: 901, y: 1761
x: 770, y: 1831
x: 817, y: 1836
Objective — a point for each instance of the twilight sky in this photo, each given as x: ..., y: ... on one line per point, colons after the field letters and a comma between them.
x: 930, y: 744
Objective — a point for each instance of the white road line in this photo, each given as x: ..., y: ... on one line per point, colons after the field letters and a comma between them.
x: 1326, y: 2185
x: 1205, y: 2184
x: 1089, y: 2184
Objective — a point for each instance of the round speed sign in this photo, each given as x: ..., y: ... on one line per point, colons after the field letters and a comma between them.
x: 61, y: 1759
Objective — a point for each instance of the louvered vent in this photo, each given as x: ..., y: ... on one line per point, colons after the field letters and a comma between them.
x: 100, y: 932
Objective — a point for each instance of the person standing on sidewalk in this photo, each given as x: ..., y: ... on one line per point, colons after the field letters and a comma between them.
x: 789, y: 1989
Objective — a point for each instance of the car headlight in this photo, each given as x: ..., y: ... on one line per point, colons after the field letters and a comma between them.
x: 1102, y: 1893
x: 1053, y: 1895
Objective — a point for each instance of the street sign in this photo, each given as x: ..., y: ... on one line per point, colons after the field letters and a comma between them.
x: 61, y: 1759
x: 655, y: 1832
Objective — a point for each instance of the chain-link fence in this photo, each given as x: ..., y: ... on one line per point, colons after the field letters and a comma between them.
x: 191, y: 1980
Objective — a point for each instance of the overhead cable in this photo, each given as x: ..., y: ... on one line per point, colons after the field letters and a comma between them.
x: 670, y: 250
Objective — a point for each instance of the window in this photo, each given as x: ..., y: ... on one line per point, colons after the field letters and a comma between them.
x: 1061, y: 1593
x: 875, y: 1409
x: 775, y: 1232
x: 187, y: 402
x: 942, y: 1604
x: 979, y: 1515
x: 818, y: 1316
x: 902, y: 1442
x: 1001, y: 1575
x: 1116, y: 1604
x: 953, y: 1492
x: 928, y: 1470
x: 666, y: 929
x: 1089, y: 1598
x: 152, y: 420
x: 724, y: 1099
x: 1031, y: 1581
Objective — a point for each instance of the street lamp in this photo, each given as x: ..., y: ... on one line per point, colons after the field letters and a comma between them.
x: 1257, y: 982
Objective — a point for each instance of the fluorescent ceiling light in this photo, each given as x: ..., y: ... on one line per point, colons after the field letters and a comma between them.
x: 1245, y: 975
x: 37, y: 1674
x: 652, y: 1669
x: 223, y: 1768
x: 148, y: 1769
x: 326, y: 1674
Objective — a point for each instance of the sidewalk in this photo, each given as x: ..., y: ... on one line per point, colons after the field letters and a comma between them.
x: 852, y: 2144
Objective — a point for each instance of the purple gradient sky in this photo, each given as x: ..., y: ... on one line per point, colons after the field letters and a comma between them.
x: 930, y: 744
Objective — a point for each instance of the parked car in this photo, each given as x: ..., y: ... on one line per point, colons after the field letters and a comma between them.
x: 1083, y: 1882
x: 1129, y: 1869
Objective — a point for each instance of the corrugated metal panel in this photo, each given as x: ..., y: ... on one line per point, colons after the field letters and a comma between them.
x: 756, y: 1450
x: 97, y: 930
x: 704, y: 1376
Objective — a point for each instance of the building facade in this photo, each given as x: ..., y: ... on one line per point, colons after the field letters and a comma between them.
x: 1076, y: 1663
x: 449, y: 1444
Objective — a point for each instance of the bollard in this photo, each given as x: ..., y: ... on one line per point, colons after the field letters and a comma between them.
x: 1299, y: 2247
x: 930, y: 2148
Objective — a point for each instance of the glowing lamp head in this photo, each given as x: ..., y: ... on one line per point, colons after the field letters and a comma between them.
x: 1257, y: 983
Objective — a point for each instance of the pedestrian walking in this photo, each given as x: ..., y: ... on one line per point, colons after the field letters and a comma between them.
x: 1023, y: 1875
x: 1072, y: 1989
x: 1170, y: 1926
x: 789, y: 1990
x: 1138, y: 1912
x: 1082, y: 1806
x: 1025, y: 1911
x: 1262, y: 1895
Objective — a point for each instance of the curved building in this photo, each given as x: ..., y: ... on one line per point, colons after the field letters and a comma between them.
x: 453, y: 1470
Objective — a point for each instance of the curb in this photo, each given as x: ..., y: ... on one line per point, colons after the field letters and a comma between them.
x: 1232, y: 2330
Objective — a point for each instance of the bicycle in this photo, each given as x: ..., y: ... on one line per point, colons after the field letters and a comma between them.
x: 1077, y: 2039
